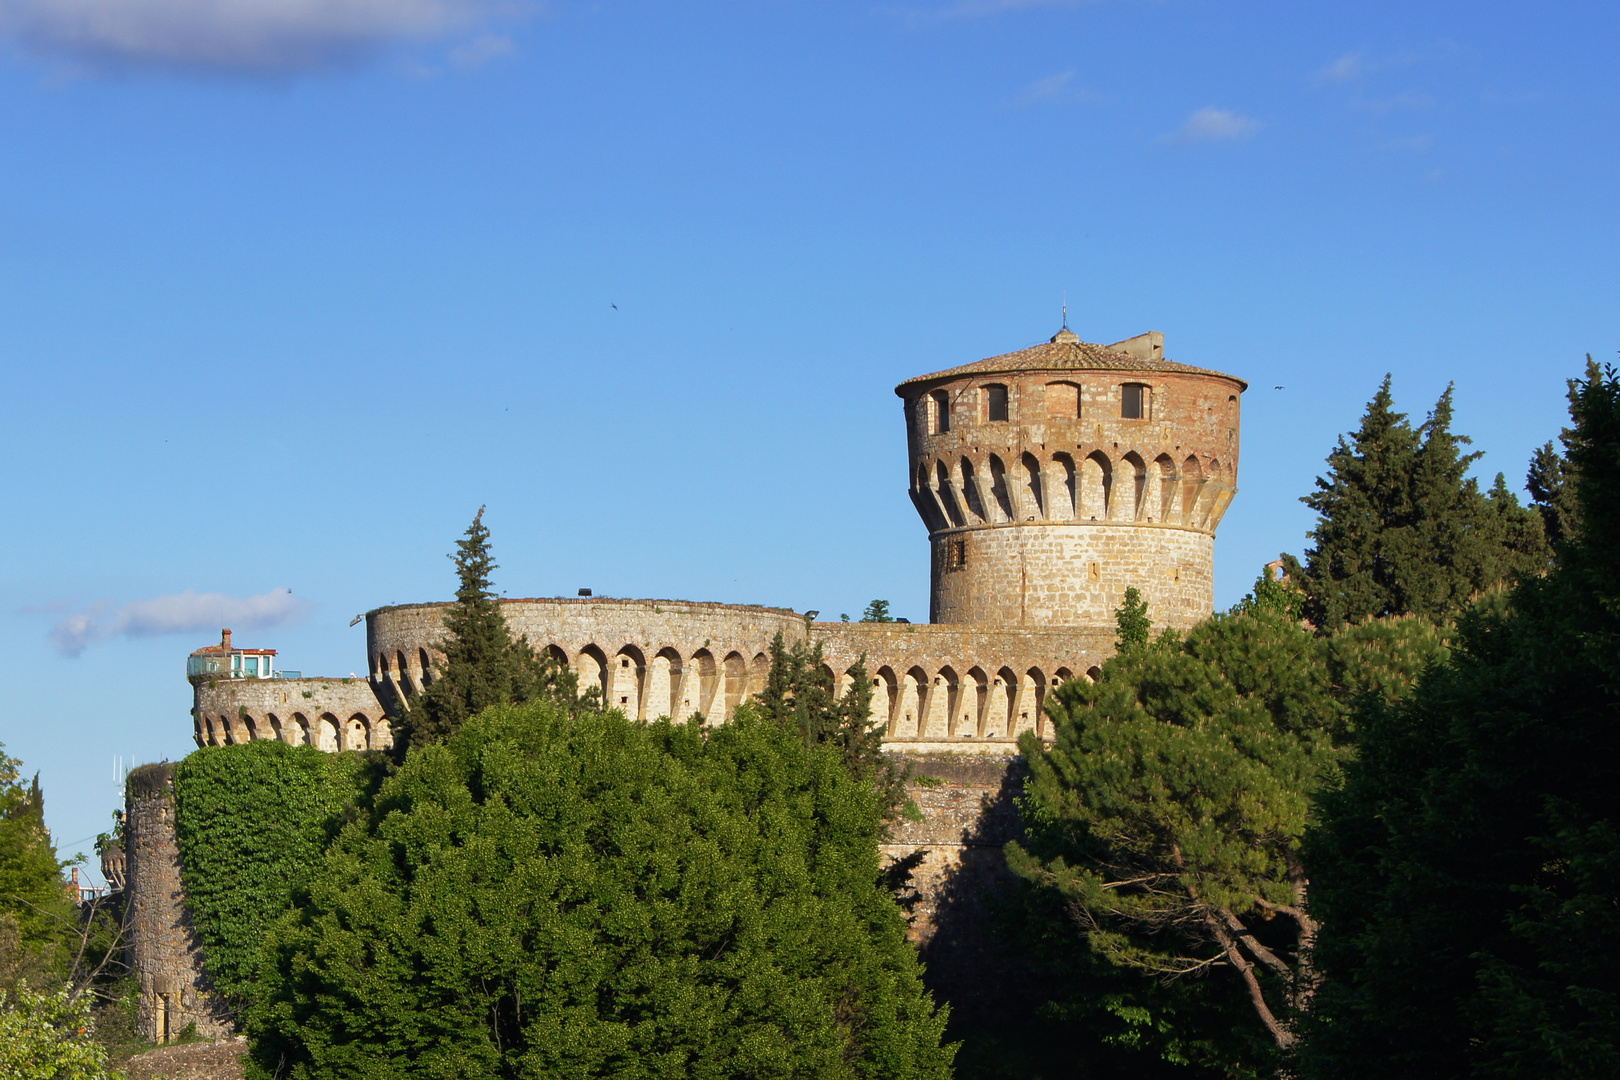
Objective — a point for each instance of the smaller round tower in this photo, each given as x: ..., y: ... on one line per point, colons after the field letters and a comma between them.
x: 1054, y: 478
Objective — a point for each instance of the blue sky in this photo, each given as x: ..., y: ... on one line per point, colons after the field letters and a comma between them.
x: 289, y: 289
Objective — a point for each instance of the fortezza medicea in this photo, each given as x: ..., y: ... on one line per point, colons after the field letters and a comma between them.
x: 1050, y: 480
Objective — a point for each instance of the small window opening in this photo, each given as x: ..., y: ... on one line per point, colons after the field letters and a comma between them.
x: 624, y: 663
x: 956, y: 554
x: 939, y: 412
x: 1134, y: 398
x: 995, y: 402
x: 1062, y: 400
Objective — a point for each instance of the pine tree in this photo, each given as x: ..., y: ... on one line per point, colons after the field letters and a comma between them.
x: 1403, y: 529
x: 483, y: 665
x: 877, y: 611
x: 1169, y: 812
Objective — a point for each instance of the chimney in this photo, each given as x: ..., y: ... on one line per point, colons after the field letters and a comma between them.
x: 225, y: 640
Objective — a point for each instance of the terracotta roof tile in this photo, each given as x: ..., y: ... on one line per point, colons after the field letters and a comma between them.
x: 1064, y: 353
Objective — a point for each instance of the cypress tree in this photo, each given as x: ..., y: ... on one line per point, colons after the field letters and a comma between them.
x: 35, y: 916
x: 483, y: 665
x: 1403, y: 529
x: 1468, y: 880
x: 1135, y: 627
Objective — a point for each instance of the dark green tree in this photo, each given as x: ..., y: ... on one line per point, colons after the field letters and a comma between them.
x: 35, y: 914
x: 482, y: 665
x: 552, y: 894
x: 800, y: 692
x: 1469, y: 877
x: 877, y: 611
x: 1132, y: 619
x: 1168, y: 813
x: 1551, y: 483
x: 1403, y: 529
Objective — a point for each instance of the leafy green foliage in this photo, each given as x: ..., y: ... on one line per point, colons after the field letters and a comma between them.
x: 251, y: 821
x: 800, y: 693
x: 877, y: 611
x: 32, y: 890
x: 1403, y: 529
x: 1274, y: 592
x: 1468, y: 870
x: 1169, y: 812
x: 48, y: 1036
x: 556, y: 894
x: 1135, y: 626
x: 483, y: 665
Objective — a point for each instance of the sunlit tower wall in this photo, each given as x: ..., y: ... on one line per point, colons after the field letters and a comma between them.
x: 1054, y: 478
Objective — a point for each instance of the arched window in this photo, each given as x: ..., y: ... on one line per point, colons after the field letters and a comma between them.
x: 995, y: 402
x: 1135, y: 401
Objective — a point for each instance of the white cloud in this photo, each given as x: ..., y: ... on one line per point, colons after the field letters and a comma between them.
x: 189, y: 612
x: 1210, y: 124
x: 265, y: 36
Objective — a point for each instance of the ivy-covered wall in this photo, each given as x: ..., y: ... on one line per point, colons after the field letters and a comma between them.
x: 252, y: 821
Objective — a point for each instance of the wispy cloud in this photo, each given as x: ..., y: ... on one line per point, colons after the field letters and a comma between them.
x: 1355, y: 65
x: 250, y: 36
x: 1210, y: 124
x: 1051, y: 90
x: 1347, y: 68
x: 189, y: 612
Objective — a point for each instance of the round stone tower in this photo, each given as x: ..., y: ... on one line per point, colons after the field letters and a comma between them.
x: 1054, y: 478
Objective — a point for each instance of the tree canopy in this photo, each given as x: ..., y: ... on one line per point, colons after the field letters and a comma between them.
x: 1169, y: 812
x: 483, y: 664
x: 1469, y: 878
x: 800, y: 692
x: 1402, y: 528
x: 549, y: 893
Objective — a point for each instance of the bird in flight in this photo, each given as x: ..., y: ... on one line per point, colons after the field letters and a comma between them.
x: 615, y: 307
x: 1279, y: 388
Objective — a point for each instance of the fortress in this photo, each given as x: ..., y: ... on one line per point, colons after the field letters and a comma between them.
x: 1050, y: 480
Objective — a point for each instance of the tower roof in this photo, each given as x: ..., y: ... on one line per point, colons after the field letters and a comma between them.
x: 1066, y: 352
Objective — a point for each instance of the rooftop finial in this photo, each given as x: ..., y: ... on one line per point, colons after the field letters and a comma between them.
x: 1065, y: 309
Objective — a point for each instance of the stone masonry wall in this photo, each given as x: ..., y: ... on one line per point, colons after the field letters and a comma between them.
x: 1048, y: 574
x: 165, y: 953
x: 952, y: 686
x: 332, y: 714
x: 950, y: 867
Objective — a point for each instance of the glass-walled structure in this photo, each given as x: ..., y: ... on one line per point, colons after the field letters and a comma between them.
x: 225, y: 661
